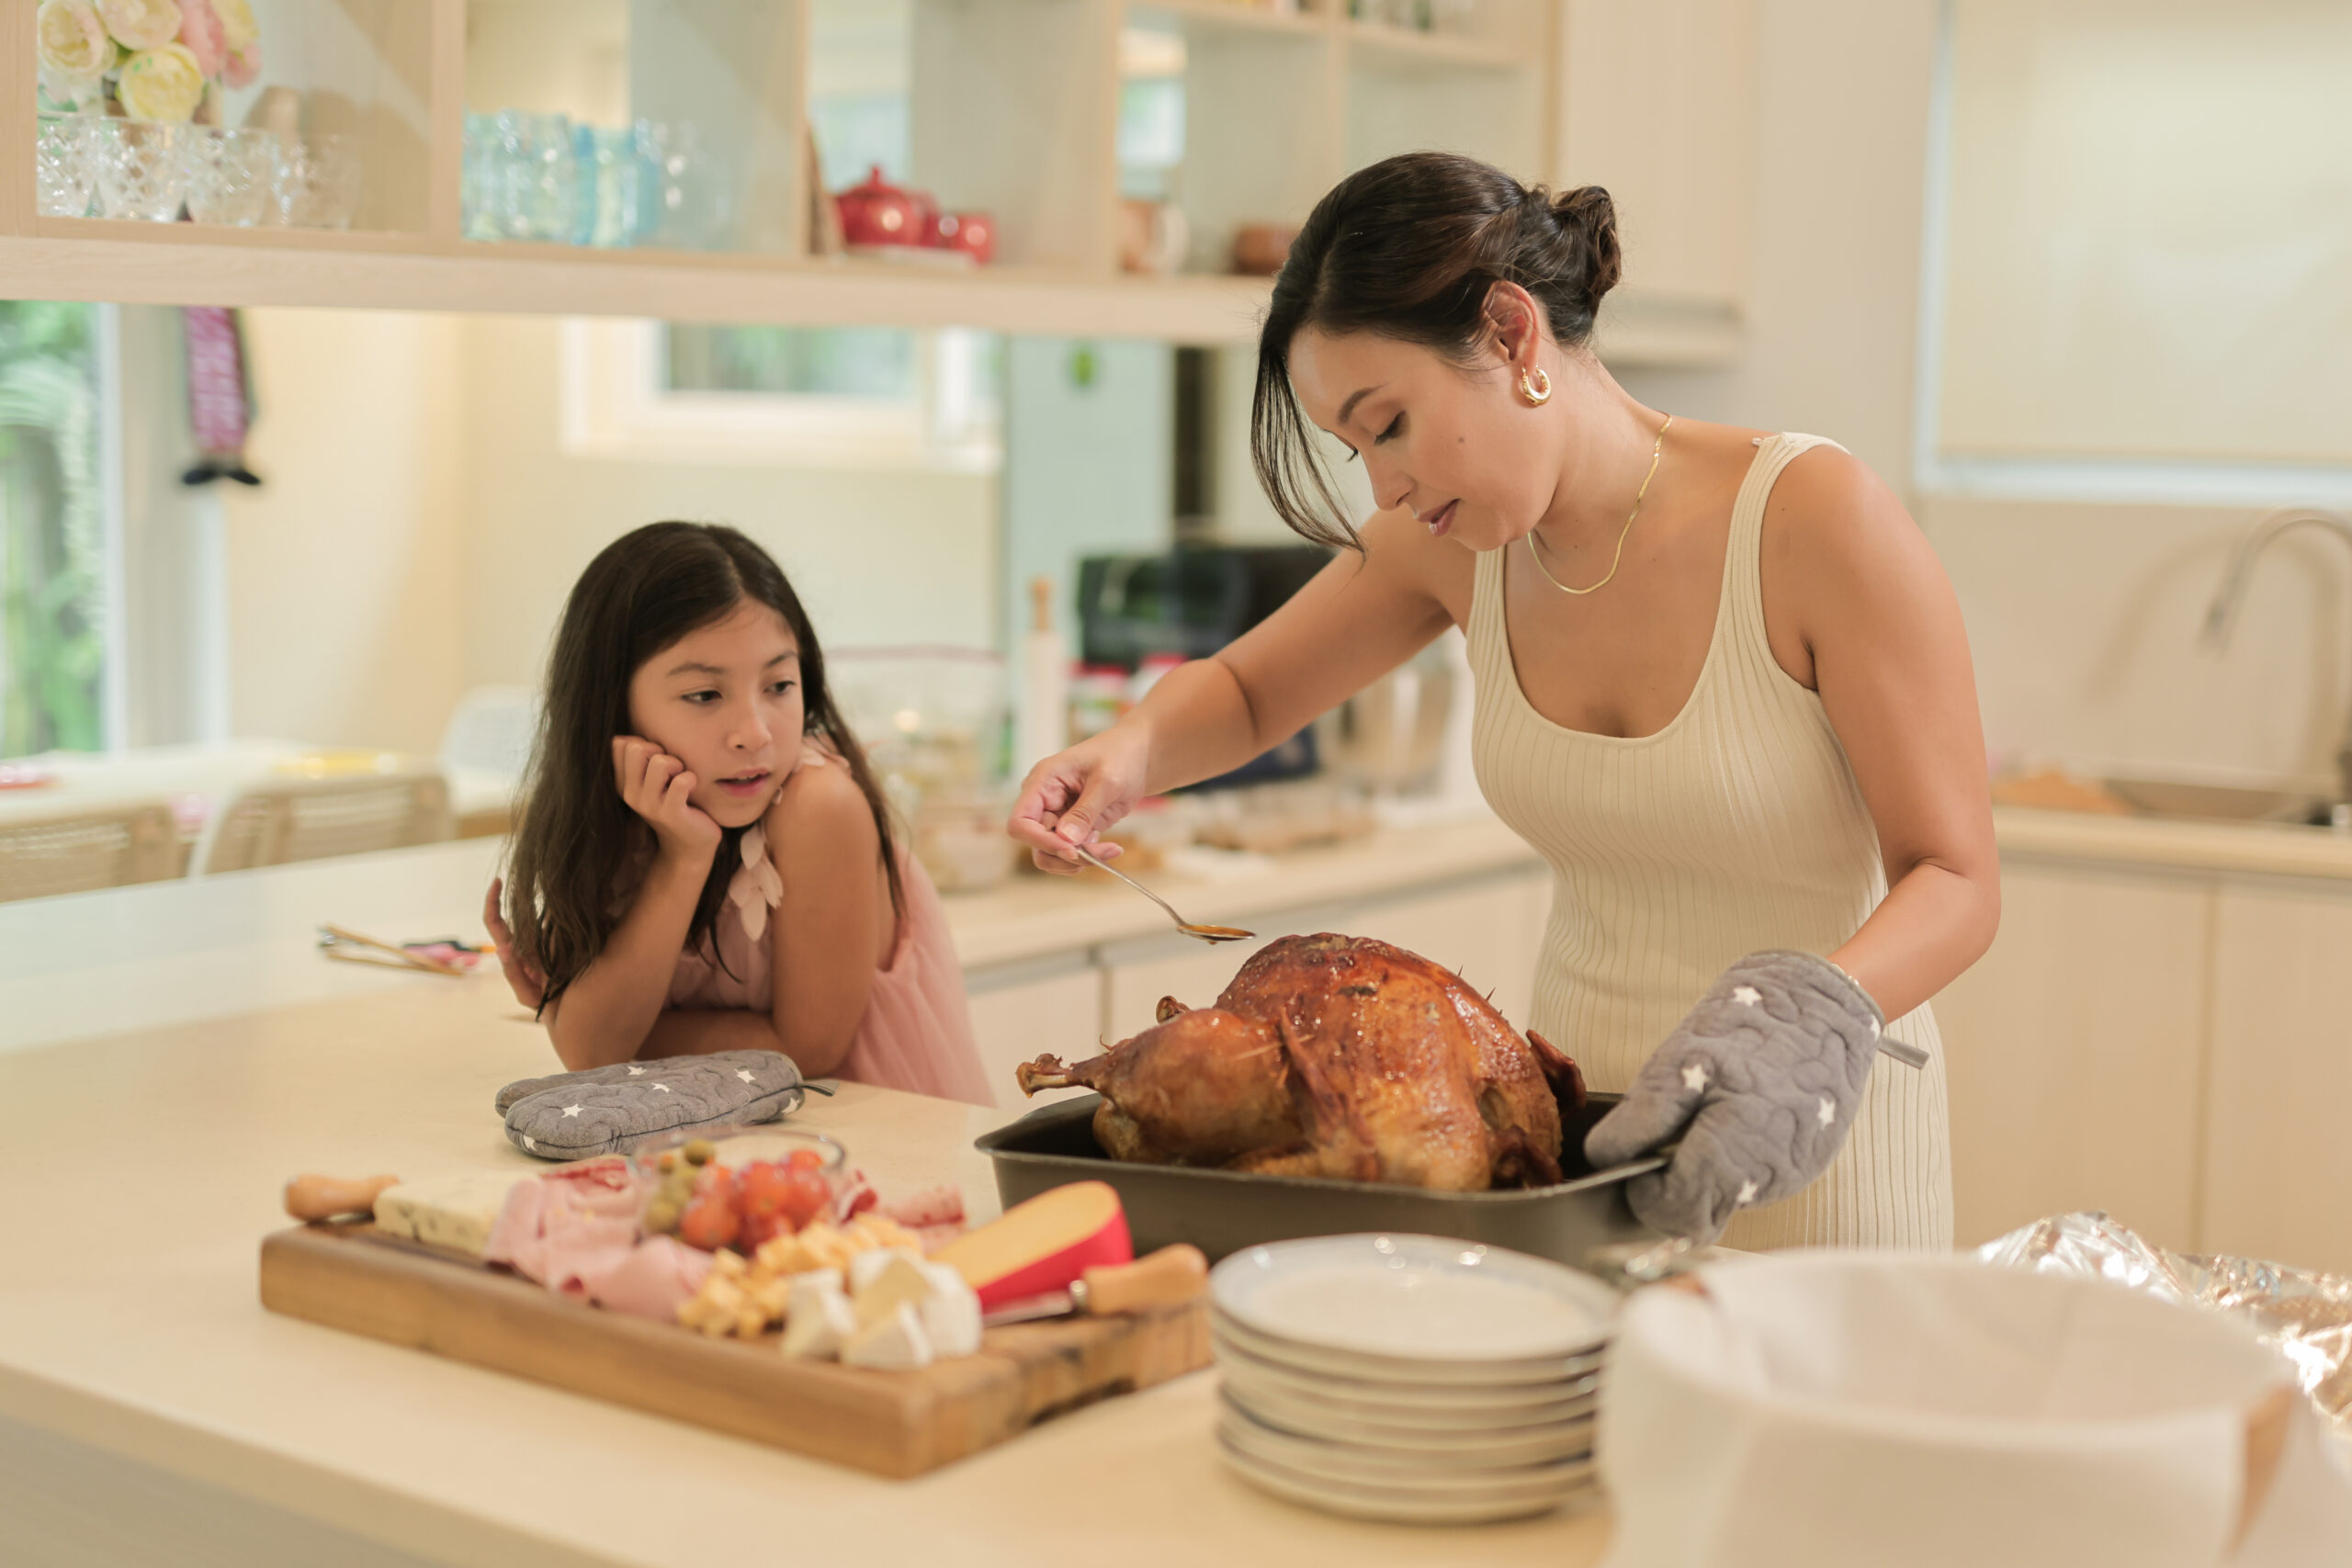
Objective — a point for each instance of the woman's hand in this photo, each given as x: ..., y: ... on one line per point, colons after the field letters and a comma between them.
x: 655, y: 786
x: 530, y: 986
x: 1760, y: 1083
x: 1074, y: 795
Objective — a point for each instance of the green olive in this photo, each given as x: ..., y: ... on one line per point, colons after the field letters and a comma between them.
x: 699, y: 1151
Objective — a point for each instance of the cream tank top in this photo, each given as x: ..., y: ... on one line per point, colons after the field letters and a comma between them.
x: 1736, y: 828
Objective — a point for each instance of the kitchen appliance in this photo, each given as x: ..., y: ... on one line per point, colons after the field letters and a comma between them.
x: 1223, y: 1212
x: 1191, y: 602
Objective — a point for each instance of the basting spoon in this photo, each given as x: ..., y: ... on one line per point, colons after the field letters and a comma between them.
x: 1210, y: 934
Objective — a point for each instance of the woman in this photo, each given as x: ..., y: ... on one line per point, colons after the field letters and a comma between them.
x: 1722, y: 681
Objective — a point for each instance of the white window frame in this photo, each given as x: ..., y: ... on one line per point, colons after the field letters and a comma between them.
x: 617, y: 406
x: 2138, y: 480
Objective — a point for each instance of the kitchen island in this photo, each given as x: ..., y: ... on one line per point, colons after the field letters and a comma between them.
x: 151, y: 1411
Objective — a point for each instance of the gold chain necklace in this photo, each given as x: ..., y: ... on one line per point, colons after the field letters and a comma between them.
x: 1655, y: 452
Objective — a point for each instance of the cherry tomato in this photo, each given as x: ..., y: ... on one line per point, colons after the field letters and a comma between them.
x: 709, y: 1222
x: 757, y: 1230
x: 808, y: 1196
x: 763, y: 1190
x: 805, y: 1159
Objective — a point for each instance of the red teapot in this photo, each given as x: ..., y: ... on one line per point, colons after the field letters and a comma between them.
x: 878, y: 213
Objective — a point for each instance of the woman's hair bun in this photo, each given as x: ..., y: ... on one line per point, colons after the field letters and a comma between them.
x: 1587, y: 218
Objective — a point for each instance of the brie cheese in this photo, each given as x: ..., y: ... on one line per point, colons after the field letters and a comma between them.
x: 895, y: 1343
x: 820, y: 1323
x: 951, y: 1314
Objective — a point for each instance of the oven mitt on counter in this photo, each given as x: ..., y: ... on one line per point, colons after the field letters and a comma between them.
x: 612, y: 1109
x: 1760, y: 1082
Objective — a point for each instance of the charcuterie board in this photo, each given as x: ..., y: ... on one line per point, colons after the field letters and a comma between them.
x: 895, y: 1423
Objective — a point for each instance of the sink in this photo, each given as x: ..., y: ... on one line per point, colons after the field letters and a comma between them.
x: 2226, y: 803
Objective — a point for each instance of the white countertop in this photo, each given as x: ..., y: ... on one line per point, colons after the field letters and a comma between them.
x: 2253, y: 849
x: 97, y: 963
x: 129, y: 1322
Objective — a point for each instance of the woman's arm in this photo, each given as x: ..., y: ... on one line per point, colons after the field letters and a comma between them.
x: 1872, y: 619
x: 1358, y: 618
x: 610, y: 1008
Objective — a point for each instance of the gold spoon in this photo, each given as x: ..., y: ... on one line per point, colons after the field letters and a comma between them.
x: 1210, y: 934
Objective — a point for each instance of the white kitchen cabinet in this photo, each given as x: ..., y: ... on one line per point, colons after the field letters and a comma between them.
x: 2276, y: 1184
x: 2073, y: 1052
x: 1020, y: 1010
x: 1489, y: 929
x: 1658, y: 102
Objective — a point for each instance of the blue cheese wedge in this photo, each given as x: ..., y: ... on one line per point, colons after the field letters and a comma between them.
x: 455, y: 1212
x: 895, y: 1343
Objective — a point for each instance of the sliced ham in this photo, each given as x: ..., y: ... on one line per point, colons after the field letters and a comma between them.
x: 933, y: 1207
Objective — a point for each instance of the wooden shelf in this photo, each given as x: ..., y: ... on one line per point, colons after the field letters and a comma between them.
x: 1239, y: 18
x: 1396, y: 48
x: 1012, y: 110
x: 404, y: 273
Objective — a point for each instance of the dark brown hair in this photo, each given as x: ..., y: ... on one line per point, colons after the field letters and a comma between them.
x: 573, y: 834
x: 1409, y: 249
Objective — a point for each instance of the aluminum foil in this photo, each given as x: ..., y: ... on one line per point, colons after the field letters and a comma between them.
x: 2306, y: 1316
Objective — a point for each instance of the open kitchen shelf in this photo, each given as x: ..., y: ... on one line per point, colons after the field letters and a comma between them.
x: 1013, y: 108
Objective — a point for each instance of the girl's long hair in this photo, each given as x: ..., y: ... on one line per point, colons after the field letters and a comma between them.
x: 573, y: 834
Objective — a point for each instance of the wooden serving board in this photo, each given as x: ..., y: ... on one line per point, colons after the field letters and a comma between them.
x: 895, y: 1423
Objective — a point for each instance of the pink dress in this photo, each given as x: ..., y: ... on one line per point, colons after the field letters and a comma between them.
x: 917, y: 1031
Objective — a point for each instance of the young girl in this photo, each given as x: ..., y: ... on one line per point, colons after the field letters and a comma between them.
x: 701, y: 860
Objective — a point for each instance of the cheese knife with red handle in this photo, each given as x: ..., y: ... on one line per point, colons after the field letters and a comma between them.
x: 1167, y: 1277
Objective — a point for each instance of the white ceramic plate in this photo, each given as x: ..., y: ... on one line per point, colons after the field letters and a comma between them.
x: 1446, y: 1449
x: 1387, y: 1506
x: 1478, y: 1405
x: 1540, y: 1371
x: 1359, y: 1467
x: 1415, y: 1298
x: 1387, y: 1419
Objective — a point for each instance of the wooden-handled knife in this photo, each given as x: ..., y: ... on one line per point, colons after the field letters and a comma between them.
x: 1167, y: 1277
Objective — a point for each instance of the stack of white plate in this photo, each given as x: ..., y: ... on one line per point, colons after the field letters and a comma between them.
x: 1409, y: 1377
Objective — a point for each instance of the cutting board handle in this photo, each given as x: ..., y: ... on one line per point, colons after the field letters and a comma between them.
x: 1165, y: 1278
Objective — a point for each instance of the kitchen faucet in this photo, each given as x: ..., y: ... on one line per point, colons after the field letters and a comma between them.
x: 2223, y: 613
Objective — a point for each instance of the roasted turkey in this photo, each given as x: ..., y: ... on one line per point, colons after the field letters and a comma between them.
x: 1333, y: 1057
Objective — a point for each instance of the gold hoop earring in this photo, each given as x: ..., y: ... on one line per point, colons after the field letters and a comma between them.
x: 1535, y: 386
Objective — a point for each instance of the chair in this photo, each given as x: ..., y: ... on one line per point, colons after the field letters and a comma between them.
x: 78, y: 851
x: 484, y: 750
x: 300, y: 819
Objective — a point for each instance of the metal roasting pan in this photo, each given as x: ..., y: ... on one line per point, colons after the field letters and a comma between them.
x: 1221, y: 1211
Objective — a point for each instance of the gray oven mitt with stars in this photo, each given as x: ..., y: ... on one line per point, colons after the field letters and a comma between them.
x: 612, y: 1109
x: 1760, y: 1081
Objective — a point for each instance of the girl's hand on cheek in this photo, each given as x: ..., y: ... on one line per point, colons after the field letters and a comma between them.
x: 655, y: 786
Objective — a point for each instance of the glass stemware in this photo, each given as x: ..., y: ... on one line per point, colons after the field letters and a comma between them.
x: 315, y: 183
x: 143, y: 169
x: 231, y: 174
x: 66, y: 155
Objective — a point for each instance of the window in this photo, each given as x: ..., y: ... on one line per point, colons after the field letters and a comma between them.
x: 2139, y: 258
x: 54, y: 549
x: 808, y: 396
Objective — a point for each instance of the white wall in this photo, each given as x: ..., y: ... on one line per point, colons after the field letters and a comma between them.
x: 2083, y: 619
x: 422, y: 526
x: 346, y: 573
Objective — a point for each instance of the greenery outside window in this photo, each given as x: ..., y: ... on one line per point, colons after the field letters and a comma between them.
x: 52, y: 530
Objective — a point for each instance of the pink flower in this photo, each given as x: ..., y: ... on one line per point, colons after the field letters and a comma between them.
x: 141, y: 24
x: 244, y: 65
x: 200, y: 29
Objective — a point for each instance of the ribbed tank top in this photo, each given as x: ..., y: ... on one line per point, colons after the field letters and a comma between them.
x: 1736, y: 828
